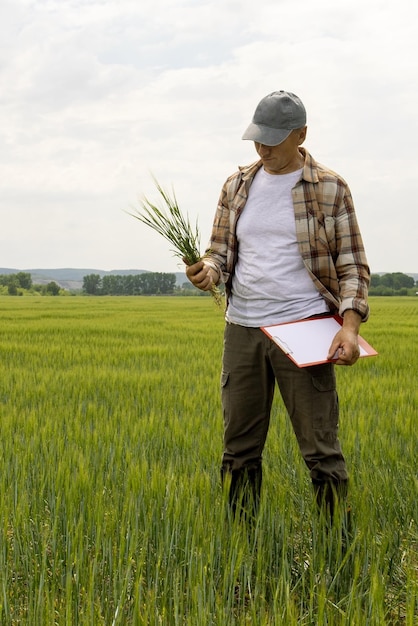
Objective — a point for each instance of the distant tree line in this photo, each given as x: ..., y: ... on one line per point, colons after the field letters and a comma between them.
x: 23, y: 280
x: 148, y: 283
x: 394, y: 284
x: 158, y: 283
x: 155, y: 283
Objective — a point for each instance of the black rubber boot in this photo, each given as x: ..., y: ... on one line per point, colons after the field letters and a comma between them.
x: 331, y: 500
x: 330, y: 495
x: 244, y: 491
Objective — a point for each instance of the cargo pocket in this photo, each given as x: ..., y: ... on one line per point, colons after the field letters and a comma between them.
x: 225, y: 396
x: 325, y: 402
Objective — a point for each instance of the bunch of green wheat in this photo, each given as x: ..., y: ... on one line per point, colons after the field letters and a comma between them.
x: 171, y: 224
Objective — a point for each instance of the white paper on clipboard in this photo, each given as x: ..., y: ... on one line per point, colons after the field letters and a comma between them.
x: 306, y: 342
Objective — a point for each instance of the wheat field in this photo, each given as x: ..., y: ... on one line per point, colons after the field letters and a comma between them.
x: 111, y: 508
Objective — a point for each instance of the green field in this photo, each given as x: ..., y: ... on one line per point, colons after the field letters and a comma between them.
x: 110, y: 503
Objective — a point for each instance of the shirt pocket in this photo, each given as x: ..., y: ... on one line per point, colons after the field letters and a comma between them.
x: 322, y: 235
x: 329, y: 226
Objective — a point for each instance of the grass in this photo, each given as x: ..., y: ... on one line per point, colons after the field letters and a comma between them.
x: 167, y: 220
x: 111, y: 511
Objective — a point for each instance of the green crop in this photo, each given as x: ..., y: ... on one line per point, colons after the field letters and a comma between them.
x: 111, y: 510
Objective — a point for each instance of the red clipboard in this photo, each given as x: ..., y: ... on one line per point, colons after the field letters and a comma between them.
x: 306, y: 342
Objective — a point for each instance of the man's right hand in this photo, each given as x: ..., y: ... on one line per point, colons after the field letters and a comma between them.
x: 201, y: 275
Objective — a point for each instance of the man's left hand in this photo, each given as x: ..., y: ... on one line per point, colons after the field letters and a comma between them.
x: 344, y: 349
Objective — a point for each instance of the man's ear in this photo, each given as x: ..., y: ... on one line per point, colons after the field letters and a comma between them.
x: 302, y: 135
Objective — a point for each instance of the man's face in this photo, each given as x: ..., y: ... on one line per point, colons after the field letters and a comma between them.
x: 285, y: 157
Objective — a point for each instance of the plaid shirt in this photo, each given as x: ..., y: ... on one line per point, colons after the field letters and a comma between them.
x: 326, y: 228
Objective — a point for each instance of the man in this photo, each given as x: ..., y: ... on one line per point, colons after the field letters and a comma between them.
x: 286, y: 243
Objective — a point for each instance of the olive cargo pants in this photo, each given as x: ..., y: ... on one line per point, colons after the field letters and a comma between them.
x: 251, y: 365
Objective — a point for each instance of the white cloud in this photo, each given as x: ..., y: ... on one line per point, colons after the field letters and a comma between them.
x: 95, y: 95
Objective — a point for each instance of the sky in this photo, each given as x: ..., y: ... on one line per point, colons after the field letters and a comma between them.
x: 97, y: 97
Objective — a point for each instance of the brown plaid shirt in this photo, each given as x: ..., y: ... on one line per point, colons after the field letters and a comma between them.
x: 326, y: 228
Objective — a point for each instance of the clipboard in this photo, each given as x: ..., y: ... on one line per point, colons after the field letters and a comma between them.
x: 306, y: 342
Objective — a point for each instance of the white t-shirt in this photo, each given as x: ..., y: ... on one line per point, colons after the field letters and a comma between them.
x: 271, y: 283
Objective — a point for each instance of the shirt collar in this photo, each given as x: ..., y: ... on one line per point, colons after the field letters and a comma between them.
x: 310, y: 169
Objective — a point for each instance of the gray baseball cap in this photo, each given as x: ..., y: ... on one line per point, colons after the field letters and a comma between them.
x: 275, y: 117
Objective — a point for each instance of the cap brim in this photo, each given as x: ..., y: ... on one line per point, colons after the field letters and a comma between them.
x: 266, y: 135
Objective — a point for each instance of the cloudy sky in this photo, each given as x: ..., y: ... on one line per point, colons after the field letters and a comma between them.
x: 97, y: 95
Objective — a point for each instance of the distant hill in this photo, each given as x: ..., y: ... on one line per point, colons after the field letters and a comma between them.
x: 72, y: 278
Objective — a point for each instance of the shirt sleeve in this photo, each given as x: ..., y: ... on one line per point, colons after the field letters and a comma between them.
x: 351, y: 262
x: 217, y: 251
